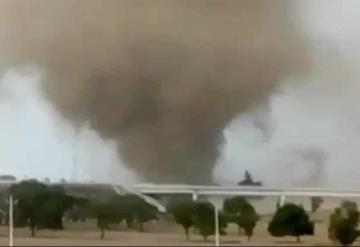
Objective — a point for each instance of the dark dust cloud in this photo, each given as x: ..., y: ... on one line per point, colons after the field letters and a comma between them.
x: 163, y: 78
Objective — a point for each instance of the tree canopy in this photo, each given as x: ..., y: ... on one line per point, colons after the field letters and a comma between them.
x: 106, y: 214
x: 291, y: 220
x: 200, y: 215
x: 204, y: 219
x: 183, y: 212
x: 343, y: 224
x: 39, y: 206
x: 239, y: 211
x: 128, y: 207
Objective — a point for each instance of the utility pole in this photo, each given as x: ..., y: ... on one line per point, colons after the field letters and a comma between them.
x: 282, y: 201
x: 11, y: 220
x: 218, y: 204
x: 217, y: 227
x: 195, y: 196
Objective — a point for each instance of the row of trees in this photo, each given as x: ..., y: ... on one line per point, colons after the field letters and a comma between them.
x: 39, y: 206
x: 288, y: 220
x: 199, y: 215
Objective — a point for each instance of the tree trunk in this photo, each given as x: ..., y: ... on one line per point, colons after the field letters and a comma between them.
x: 205, y: 238
x: 249, y: 238
x: 33, y: 232
x: 187, y: 234
x: 298, y: 239
x: 129, y: 223
x: 102, y: 232
x: 141, y: 226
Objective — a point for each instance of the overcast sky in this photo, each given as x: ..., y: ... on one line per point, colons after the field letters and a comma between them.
x: 314, y: 123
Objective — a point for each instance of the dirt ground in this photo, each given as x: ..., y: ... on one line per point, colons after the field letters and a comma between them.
x: 166, y: 233
x: 86, y: 235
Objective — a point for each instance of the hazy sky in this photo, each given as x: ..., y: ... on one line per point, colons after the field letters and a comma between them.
x: 314, y: 122
x: 36, y: 142
x: 317, y: 115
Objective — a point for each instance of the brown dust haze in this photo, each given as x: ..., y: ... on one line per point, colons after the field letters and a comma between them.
x: 164, y: 78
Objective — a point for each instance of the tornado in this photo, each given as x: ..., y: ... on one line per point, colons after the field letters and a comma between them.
x: 163, y: 78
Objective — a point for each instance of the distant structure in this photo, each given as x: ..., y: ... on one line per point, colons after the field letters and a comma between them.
x: 62, y: 181
x: 7, y: 178
x: 47, y: 180
x: 248, y: 181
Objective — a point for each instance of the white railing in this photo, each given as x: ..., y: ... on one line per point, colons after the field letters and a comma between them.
x: 245, y: 191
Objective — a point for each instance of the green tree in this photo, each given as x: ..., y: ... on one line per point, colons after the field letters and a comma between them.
x: 111, y: 212
x: 345, y: 232
x: 145, y: 213
x: 204, y: 220
x: 343, y: 224
x: 127, y: 207
x: 39, y: 206
x: 242, y: 213
x: 106, y: 214
x: 183, y: 213
x: 4, y: 208
x: 335, y: 219
x: 81, y: 210
x: 135, y: 209
x: 291, y: 220
x: 352, y: 212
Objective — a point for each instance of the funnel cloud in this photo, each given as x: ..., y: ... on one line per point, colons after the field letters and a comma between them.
x: 163, y: 78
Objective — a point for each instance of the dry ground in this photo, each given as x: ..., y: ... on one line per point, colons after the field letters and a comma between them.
x: 157, y: 234
x: 86, y: 235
